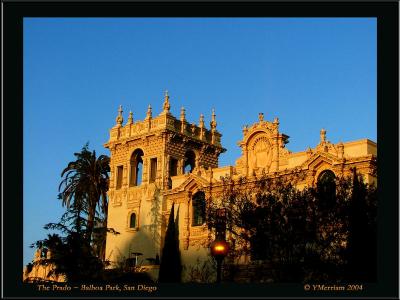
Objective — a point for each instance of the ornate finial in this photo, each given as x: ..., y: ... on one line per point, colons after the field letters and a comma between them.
x: 183, y: 119
x: 341, y: 149
x: 119, y: 118
x: 183, y: 114
x: 193, y: 128
x: 245, y: 129
x: 201, y: 125
x: 276, y: 120
x: 201, y: 121
x: 149, y: 112
x: 130, y: 118
x: 322, y: 135
x: 261, y: 117
x: 213, y: 123
x: 166, y: 105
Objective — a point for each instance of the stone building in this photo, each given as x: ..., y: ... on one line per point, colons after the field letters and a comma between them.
x: 163, y: 160
x: 37, y: 272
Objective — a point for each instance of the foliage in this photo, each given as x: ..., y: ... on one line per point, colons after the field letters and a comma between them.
x: 155, y: 217
x: 202, y: 272
x: 78, y: 250
x: 84, y: 187
x: 362, y: 239
x: 316, y: 233
x: 171, y: 266
x: 71, y: 255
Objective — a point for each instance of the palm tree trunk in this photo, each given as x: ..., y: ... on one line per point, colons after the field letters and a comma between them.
x: 90, y: 223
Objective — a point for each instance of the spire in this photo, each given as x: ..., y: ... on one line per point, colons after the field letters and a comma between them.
x: 183, y: 114
x: 119, y: 118
x: 149, y: 112
x: 309, y: 151
x: 245, y: 130
x: 275, y: 124
x: 340, y: 149
x: 322, y: 135
x: 183, y: 119
x: 261, y: 117
x: 201, y: 121
x: 213, y: 123
x: 166, y: 105
x: 130, y: 118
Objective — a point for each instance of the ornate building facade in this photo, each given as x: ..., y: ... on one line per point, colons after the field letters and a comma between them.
x: 38, y: 272
x: 163, y: 160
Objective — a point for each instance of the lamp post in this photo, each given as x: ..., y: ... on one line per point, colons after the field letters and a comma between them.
x: 219, y: 248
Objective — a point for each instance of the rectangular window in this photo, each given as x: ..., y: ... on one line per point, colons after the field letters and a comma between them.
x: 173, y: 167
x: 153, y: 169
x: 120, y: 170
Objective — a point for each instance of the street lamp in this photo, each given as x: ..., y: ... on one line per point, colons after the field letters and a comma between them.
x: 219, y: 249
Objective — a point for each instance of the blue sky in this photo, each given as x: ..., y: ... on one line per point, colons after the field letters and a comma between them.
x: 312, y: 73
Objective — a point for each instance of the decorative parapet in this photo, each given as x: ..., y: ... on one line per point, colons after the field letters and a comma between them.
x: 264, y: 151
x: 164, y: 121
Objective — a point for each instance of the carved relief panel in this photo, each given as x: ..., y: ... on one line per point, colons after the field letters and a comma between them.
x: 260, y: 153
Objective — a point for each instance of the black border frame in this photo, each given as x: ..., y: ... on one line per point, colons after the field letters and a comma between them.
x: 388, y: 131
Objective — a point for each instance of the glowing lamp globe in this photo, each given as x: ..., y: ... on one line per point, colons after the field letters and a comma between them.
x: 219, y: 248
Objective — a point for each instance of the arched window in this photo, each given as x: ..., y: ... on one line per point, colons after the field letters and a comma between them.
x: 199, y: 209
x: 190, y: 159
x: 326, y: 188
x: 132, y: 220
x: 326, y: 177
x: 136, y: 168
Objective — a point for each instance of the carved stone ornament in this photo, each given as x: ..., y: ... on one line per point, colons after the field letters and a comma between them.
x: 119, y: 119
x: 260, y: 153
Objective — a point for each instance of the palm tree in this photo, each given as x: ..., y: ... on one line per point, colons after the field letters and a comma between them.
x: 85, y: 186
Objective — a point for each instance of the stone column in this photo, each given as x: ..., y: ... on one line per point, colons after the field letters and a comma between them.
x: 167, y: 170
x: 275, y: 154
x: 145, y: 169
x: 180, y: 167
x: 159, y: 170
x: 186, y: 232
x: 246, y: 160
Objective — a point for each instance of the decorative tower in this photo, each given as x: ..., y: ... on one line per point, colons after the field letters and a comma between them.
x: 144, y: 155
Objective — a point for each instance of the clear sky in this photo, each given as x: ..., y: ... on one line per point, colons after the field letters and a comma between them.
x: 312, y: 73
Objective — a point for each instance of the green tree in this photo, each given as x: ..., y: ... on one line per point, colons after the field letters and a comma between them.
x: 171, y: 265
x: 361, y: 252
x: 71, y: 253
x: 84, y: 186
x: 300, y: 234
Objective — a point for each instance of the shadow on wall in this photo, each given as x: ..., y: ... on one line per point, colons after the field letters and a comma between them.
x: 141, y: 245
x: 145, y: 242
